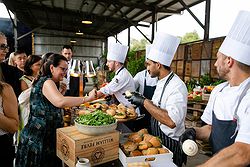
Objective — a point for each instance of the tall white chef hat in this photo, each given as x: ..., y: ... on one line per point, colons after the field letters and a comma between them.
x: 117, y: 52
x: 148, y: 47
x: 237, y: 42
x: 163, y: 48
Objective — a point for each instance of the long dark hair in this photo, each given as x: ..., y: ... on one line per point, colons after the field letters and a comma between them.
x: 54, y: 60
x: 32, y: 59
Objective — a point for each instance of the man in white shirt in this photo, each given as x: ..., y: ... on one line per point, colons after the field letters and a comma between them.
x: 169, y: 103
x: 122, y: 81
x: 73, y: 88
x: 228, y: 110
x: 146, y: 86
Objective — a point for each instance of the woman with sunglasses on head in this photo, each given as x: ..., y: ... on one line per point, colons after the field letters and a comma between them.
x: 37, y: 145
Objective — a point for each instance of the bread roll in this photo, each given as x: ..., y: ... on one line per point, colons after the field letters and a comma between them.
x: 97, y: 105
x: 120, y: 115
x: 142, y: 132
x: 129, y: 146
x: 135, y: 137
x: 162, y: 150
x: 121, y: 107
x: 113, y: 106
x: 155, y: 141
x: 147, y: 137
x: 144, y: 145
x: 131, y: 112
x: 152, y: 151
x: 135, y: 153
x: 104, y: 107
x: 110, y: 112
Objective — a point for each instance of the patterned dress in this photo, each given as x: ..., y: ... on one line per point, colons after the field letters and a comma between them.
x: 37, y: 145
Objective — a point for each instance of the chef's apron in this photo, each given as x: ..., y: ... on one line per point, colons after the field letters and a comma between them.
x: 171, y: 144
x: 224, y: 132
x: 148, y: 93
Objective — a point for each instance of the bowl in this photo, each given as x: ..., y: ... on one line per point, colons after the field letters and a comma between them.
x: 95, y: 130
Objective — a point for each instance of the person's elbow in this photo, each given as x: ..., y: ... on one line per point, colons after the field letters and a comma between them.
x: 14, y: 126
x: 171, y: 125
x: 59, y: 103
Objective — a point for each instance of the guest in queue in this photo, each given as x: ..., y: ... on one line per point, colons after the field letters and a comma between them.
x: 37, y: 145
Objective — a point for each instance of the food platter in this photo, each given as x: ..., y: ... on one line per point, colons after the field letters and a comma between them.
x: 127, y: 119
x: 120, y: 112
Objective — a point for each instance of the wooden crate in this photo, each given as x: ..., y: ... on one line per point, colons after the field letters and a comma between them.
x: 216, y: 45
x: 173, y: 66
x: 188, y: 68
x: 206, y: 50
x: 196, y: 51
x: 71, y: 144
x: 214, y: 73
x: 195, y: 68
x: 180, y: 65
x: 181, y: 52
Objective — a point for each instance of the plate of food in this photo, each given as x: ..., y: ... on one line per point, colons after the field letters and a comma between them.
x: 121, y: 113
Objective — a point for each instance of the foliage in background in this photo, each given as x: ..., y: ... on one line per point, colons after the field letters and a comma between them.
x: 205, y: 80
x: 134, y: 65
x: 138, y: 45
x: 191, y: 84
x: 190, y: 37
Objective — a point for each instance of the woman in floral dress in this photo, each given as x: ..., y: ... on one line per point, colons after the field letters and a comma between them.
x: 37, y: 145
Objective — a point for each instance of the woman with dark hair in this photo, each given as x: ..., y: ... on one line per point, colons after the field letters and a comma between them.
x: 31, y: 70
x: 37, y: 145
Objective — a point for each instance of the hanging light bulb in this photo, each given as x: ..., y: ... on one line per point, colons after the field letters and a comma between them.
x: 79, y: 33
x: 75, y: 70
x: 89, y: 69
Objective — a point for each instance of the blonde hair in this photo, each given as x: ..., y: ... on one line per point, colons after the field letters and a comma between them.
x: 11, y: 60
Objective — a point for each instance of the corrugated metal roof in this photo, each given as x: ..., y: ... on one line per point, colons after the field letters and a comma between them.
x: 109, y: 16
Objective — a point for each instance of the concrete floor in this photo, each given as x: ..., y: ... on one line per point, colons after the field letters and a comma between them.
x: 196, y: 160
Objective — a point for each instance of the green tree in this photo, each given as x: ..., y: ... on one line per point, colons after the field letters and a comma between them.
x: 138, y: 45
x: 190, y: 37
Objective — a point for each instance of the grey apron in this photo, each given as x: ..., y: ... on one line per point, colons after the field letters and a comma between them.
x: 224, y: 132
x: 178, y: 156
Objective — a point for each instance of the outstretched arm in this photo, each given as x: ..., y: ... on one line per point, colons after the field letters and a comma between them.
x: 236, y: 155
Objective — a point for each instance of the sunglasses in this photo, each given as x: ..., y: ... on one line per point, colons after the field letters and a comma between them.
x: 4, y: 46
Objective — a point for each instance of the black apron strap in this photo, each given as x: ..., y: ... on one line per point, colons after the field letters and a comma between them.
x: 119, y: 70
x: 171, y: 144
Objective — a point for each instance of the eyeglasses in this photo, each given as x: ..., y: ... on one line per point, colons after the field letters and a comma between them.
x: 63, y: 69
x: 4, y: 47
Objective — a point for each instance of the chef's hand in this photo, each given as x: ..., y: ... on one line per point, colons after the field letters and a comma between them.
x: 136, y: 99
x: 189, y: 133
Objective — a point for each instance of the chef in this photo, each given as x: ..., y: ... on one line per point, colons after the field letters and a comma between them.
x: 146, y: 86
x: 228, y: 110
x: 169, y: 103
x: 122, y: 81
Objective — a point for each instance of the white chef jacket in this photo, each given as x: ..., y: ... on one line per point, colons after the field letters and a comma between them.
x: 224, y: 104
x: 68, y: 73
x: 140, y: 79
x: 174, y: 100
x: 122, y: 82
